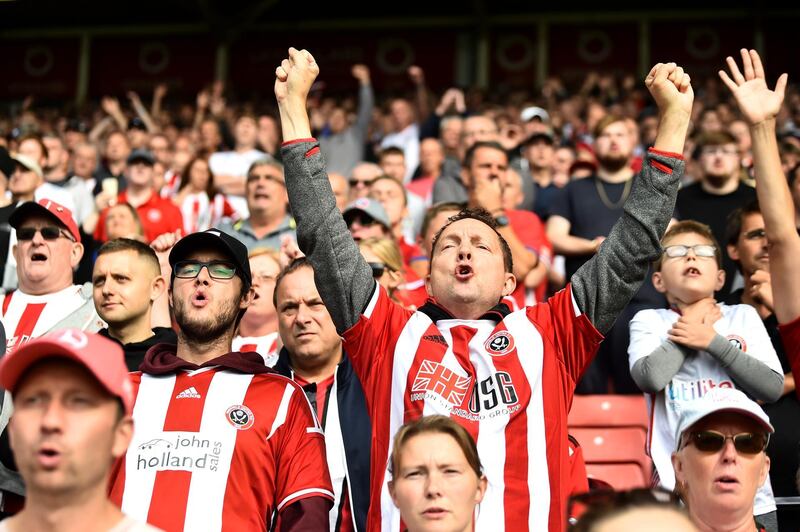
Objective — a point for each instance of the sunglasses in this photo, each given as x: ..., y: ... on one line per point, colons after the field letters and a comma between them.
x: 363, y: 220
x: 362, y: 182
x: 710, y: 441
x: 378, y: 268
x: 217, y: 269
x: 700, y: 250
x: 48, y: 232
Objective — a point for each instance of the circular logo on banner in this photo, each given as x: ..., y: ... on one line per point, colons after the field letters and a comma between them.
x: 240, y: 417
x: 500, y: 343
x: 38, y: 61
x: 515, y: 52
x: 594, y: 46
x: 737, y: 342
x: 702, y: 43
x: 394, y: 56
x: 153, y: 57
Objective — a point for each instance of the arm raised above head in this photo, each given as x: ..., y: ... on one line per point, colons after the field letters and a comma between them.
x: 343, y: 278
x: 604, y: 285
x: 759, y: 105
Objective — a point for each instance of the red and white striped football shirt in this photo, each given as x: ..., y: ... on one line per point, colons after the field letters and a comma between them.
x: 266, y: 346
x: 508, y: 382
x: 27, y: 316
x: 219, y: 450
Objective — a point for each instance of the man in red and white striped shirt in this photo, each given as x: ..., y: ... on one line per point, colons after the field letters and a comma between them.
x: 222, y: 442
x: 507, y: 377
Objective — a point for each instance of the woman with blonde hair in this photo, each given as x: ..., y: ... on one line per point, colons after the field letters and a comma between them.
x: 383, y: 256
x: 437, y: 478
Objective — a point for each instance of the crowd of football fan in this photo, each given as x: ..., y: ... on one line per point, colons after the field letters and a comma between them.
x: 364, y: 313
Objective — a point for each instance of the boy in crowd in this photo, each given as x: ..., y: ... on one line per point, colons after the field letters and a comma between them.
x: 679, y: 354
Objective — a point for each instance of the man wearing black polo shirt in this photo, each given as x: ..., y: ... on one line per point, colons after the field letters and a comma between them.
x: 719, y: 192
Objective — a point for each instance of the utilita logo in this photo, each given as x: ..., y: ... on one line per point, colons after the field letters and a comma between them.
x: 691, y: 390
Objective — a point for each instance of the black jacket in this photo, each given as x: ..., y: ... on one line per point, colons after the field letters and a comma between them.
x: 134, y: 352
x: 355, y: 428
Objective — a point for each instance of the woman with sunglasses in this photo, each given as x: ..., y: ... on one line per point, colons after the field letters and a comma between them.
x: 720, y: 460
x: 383, y: 256
x: 437, y: 479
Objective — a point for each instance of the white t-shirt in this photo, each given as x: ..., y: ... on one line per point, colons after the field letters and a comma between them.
x: 743, y: 327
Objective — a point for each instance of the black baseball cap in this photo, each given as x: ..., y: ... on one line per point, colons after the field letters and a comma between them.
x: 539, y: 135
x: 137, y: 123
x: 141, y: 156
x: 214, y: 238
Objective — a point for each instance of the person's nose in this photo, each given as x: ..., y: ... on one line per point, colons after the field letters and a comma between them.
x: 729, y: 453
x: 203, y: 277
x: 433, y: 485
x: 53, y: 418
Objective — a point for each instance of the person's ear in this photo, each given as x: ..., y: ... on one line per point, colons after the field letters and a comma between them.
x: 677, y: 467
x: 733, y: 252
x: 658, y: 282
x: 247, y: 300
x: 123, y: 434
x: 76, y: 253
x: 483, y: 483
x: 157, y: 287
x: 509, y: 284
x: 762, y: 477
x: 720, y: 280
x: 390, y: 485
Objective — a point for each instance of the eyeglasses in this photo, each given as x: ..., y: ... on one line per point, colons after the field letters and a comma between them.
x: 713, y: 150
x: 362, y: 182
x: 48, y: 232
x: 711, y: 441
x: 264, y: 277
x: 217, y: 269
x: 378, y: 268
x: 755, y: 234
x: 700, y: 250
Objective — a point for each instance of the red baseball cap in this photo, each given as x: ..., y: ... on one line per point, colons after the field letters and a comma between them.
x: 102, y: 357
x: 48, y: 208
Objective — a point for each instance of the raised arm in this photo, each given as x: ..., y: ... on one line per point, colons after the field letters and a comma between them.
x: 605, y: 284
x: 366, y: 100
x: 343, y: 277
x: 759, y: 106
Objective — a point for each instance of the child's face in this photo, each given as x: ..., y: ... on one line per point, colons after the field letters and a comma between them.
x: 689, y: 278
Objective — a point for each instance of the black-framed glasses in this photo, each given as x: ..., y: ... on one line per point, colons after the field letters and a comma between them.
x: 700, y: 250
x: 711, y: 441
x: 378, y: 268
x: 48, y: 232
x: 586, y: 509
x: 217, y: 269
x: 755, y: 234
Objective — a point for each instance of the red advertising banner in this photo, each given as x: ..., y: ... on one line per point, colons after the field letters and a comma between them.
x: 700, y: 47
x: 574, y: 50
x: 512, y: 58
x: 253, y: 59
x: 45, y: 68
x: 120, y: 64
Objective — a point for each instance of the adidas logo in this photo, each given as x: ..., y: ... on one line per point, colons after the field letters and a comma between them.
x: 188, y: 393
x: 435, y: 338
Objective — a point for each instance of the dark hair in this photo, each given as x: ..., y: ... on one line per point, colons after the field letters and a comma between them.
x: 128, y: 244
x: 37, y: 139
x: 689, y: 226
x: 296, y: 264
x: 437, y: 425
x: 470, y: 155
x: 211, y: 190
x: 482, y: 215
x: 437, y: 208
x: 733, y: 225
x: 391, y: 150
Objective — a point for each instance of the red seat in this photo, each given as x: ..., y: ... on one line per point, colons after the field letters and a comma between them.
x: 608, y: 411
x: 625, y: 445
x: 620, y: 476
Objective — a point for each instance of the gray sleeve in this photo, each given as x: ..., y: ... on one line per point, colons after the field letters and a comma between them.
x: 343, y: 278
x: 366, y: 101
x: 604, y: 285
x: 757, y: 379
x: 653, y: 372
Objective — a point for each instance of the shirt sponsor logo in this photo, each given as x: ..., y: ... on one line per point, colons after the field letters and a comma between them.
x: 441, y: 380
x: 154, y: 215
x: 690, y: 390
x: 737, y: 342
x: 178, y: 452
x: 240, y: 417
x: 500, y: 343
